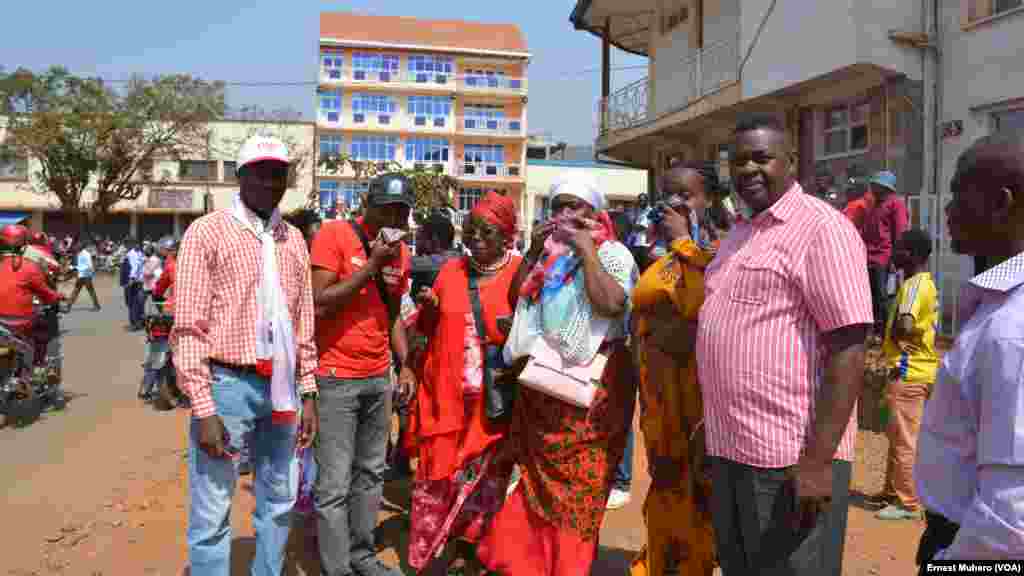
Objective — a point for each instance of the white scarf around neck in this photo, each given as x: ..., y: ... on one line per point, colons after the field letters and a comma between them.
x: 275, y: 336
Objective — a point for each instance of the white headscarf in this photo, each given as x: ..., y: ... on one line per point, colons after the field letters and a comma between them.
x: 579, y: 185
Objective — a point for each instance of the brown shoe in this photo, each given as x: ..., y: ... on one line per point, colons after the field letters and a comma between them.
x: 880, y: 499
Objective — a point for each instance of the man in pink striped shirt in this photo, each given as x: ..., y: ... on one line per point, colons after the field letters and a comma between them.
x: 780, y: 351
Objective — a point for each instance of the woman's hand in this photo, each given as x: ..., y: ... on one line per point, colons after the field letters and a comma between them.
x: 675, y: 226
x: 537, y: 240
x: 580, y: 236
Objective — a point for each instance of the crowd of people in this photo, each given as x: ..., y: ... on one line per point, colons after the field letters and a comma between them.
x: 740, y: 338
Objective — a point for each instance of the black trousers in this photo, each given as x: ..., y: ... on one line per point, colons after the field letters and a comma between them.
x: 879, y: 280
x: 751, y: 511
x: 938, y: 534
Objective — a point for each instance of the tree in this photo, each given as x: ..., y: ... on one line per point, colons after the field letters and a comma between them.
x: 94, y: 144
x: 433, y: 188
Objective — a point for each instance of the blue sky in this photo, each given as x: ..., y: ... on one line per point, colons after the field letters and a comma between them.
x: 276, y: 41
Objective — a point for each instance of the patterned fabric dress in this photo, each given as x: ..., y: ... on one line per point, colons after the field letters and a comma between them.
x: 567, y: 455
x: 680, y: 539
x: 464, y: 468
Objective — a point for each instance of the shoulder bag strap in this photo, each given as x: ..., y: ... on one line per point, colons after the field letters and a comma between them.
x: 377, y: 278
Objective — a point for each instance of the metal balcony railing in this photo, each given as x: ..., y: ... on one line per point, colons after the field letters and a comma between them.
x: 489, y: 170
x: 467, y: 82
x: 693, y: 78
x: 478, y: 125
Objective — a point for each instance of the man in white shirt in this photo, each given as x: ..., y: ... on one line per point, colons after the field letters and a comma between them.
x: 970, y: 453
x: 135, y: 295
x: 85, y: 271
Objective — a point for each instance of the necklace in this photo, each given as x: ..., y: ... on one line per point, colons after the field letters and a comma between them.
x: 501, y: 263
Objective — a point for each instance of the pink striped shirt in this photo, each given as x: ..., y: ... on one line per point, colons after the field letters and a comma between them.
x: 779, y: 282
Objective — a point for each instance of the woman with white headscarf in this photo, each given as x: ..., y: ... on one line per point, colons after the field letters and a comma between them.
x: 574, y: 284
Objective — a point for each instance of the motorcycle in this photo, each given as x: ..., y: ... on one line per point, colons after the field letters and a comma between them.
x: 24, y: 383
x: 159, y: 382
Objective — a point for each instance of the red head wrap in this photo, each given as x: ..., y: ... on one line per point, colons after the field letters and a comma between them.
x: 499, y: 211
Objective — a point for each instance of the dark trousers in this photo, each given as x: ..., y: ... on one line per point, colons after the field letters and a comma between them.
x: 938, y: 534
x: 351, y: 454
x: 878, y: 277
x: 134, y: 297
x: 624, y: 471
x: 87, y: 284
x: 751, y: 511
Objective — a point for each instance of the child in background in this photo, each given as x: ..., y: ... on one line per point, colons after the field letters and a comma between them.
x: 909, y: 349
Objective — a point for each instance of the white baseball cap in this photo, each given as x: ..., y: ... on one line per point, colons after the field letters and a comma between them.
x: 259, y: 148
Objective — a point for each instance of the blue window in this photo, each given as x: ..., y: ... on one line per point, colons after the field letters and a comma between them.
x: 328, y: 198
x: 429, y: 110
x: 484, y: 154
x: 331, y: 63
x: 425, y: 68
x: 330, y: 145
x: 352, y: 193
x: 330, y: 104
x: 368, y: 65
x: 427, y: 150
x: 373, y: 148
x: 373, y: 105
x: 486, y: 79
x: 483, y: 117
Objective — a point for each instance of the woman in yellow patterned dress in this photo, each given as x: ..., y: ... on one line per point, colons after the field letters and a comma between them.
x: 665, y: 305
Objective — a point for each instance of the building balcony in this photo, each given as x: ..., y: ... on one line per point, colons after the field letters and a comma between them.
x: 489, y: 171
x: 491, y: 126
x: 414, y: 80
x: 429, y: 123
x: 695, y: 77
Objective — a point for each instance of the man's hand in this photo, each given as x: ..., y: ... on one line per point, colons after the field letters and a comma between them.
x: 213, y: 437
x: 812, y: 481
x: 406, y: 383
x: 310, y: 425
x: 427, y: 297
x: 381, y: 252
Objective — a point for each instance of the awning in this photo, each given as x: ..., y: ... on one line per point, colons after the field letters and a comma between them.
x: 13, y: 217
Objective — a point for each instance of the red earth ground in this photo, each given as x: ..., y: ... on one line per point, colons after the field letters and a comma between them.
x: 100, y: 489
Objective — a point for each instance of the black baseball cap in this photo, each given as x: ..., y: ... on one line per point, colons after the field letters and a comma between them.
x: 391, y: 188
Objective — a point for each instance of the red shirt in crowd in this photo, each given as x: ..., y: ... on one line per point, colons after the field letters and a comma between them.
x: 166, y: 283
x: 857, y: 210
x: 884, y: 225
x: 354, y: 342
x: 20, y: 280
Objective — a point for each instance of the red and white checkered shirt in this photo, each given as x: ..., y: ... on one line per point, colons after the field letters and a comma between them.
x: 218, y: 271
x: 778, y: 283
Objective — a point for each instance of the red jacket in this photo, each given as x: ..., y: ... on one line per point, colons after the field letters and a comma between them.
x: 166, y: 283
x: 20, y: 281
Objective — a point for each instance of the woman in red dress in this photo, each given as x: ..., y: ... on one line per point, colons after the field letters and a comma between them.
x: 464, y: 467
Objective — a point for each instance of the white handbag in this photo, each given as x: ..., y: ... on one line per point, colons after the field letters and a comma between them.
x: 546, y: 372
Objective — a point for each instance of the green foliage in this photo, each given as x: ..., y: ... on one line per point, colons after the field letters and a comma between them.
x: 433, y: 188
x: 94, y: 144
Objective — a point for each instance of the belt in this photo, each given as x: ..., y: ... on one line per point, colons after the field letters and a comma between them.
x: 241, y: 368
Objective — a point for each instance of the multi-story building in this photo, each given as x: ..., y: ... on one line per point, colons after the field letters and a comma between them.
x: 443, y: 94
x: 175, y: 191
x: 902, y: 85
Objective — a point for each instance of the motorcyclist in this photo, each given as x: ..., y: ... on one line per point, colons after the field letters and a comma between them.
x: 20, y: 282
x: 39, y: 250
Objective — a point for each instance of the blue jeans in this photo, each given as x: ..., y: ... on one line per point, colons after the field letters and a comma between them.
x: 624, y: 471
x: 351, y: 457
x: 243, y: 404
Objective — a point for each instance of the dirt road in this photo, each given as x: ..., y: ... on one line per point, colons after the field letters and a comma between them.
x: 100, y: 489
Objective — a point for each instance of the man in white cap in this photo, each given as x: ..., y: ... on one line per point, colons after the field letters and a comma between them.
x: 244, y: 350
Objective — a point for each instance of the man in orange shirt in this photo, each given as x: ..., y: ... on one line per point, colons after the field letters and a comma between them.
x: 360, y: 271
